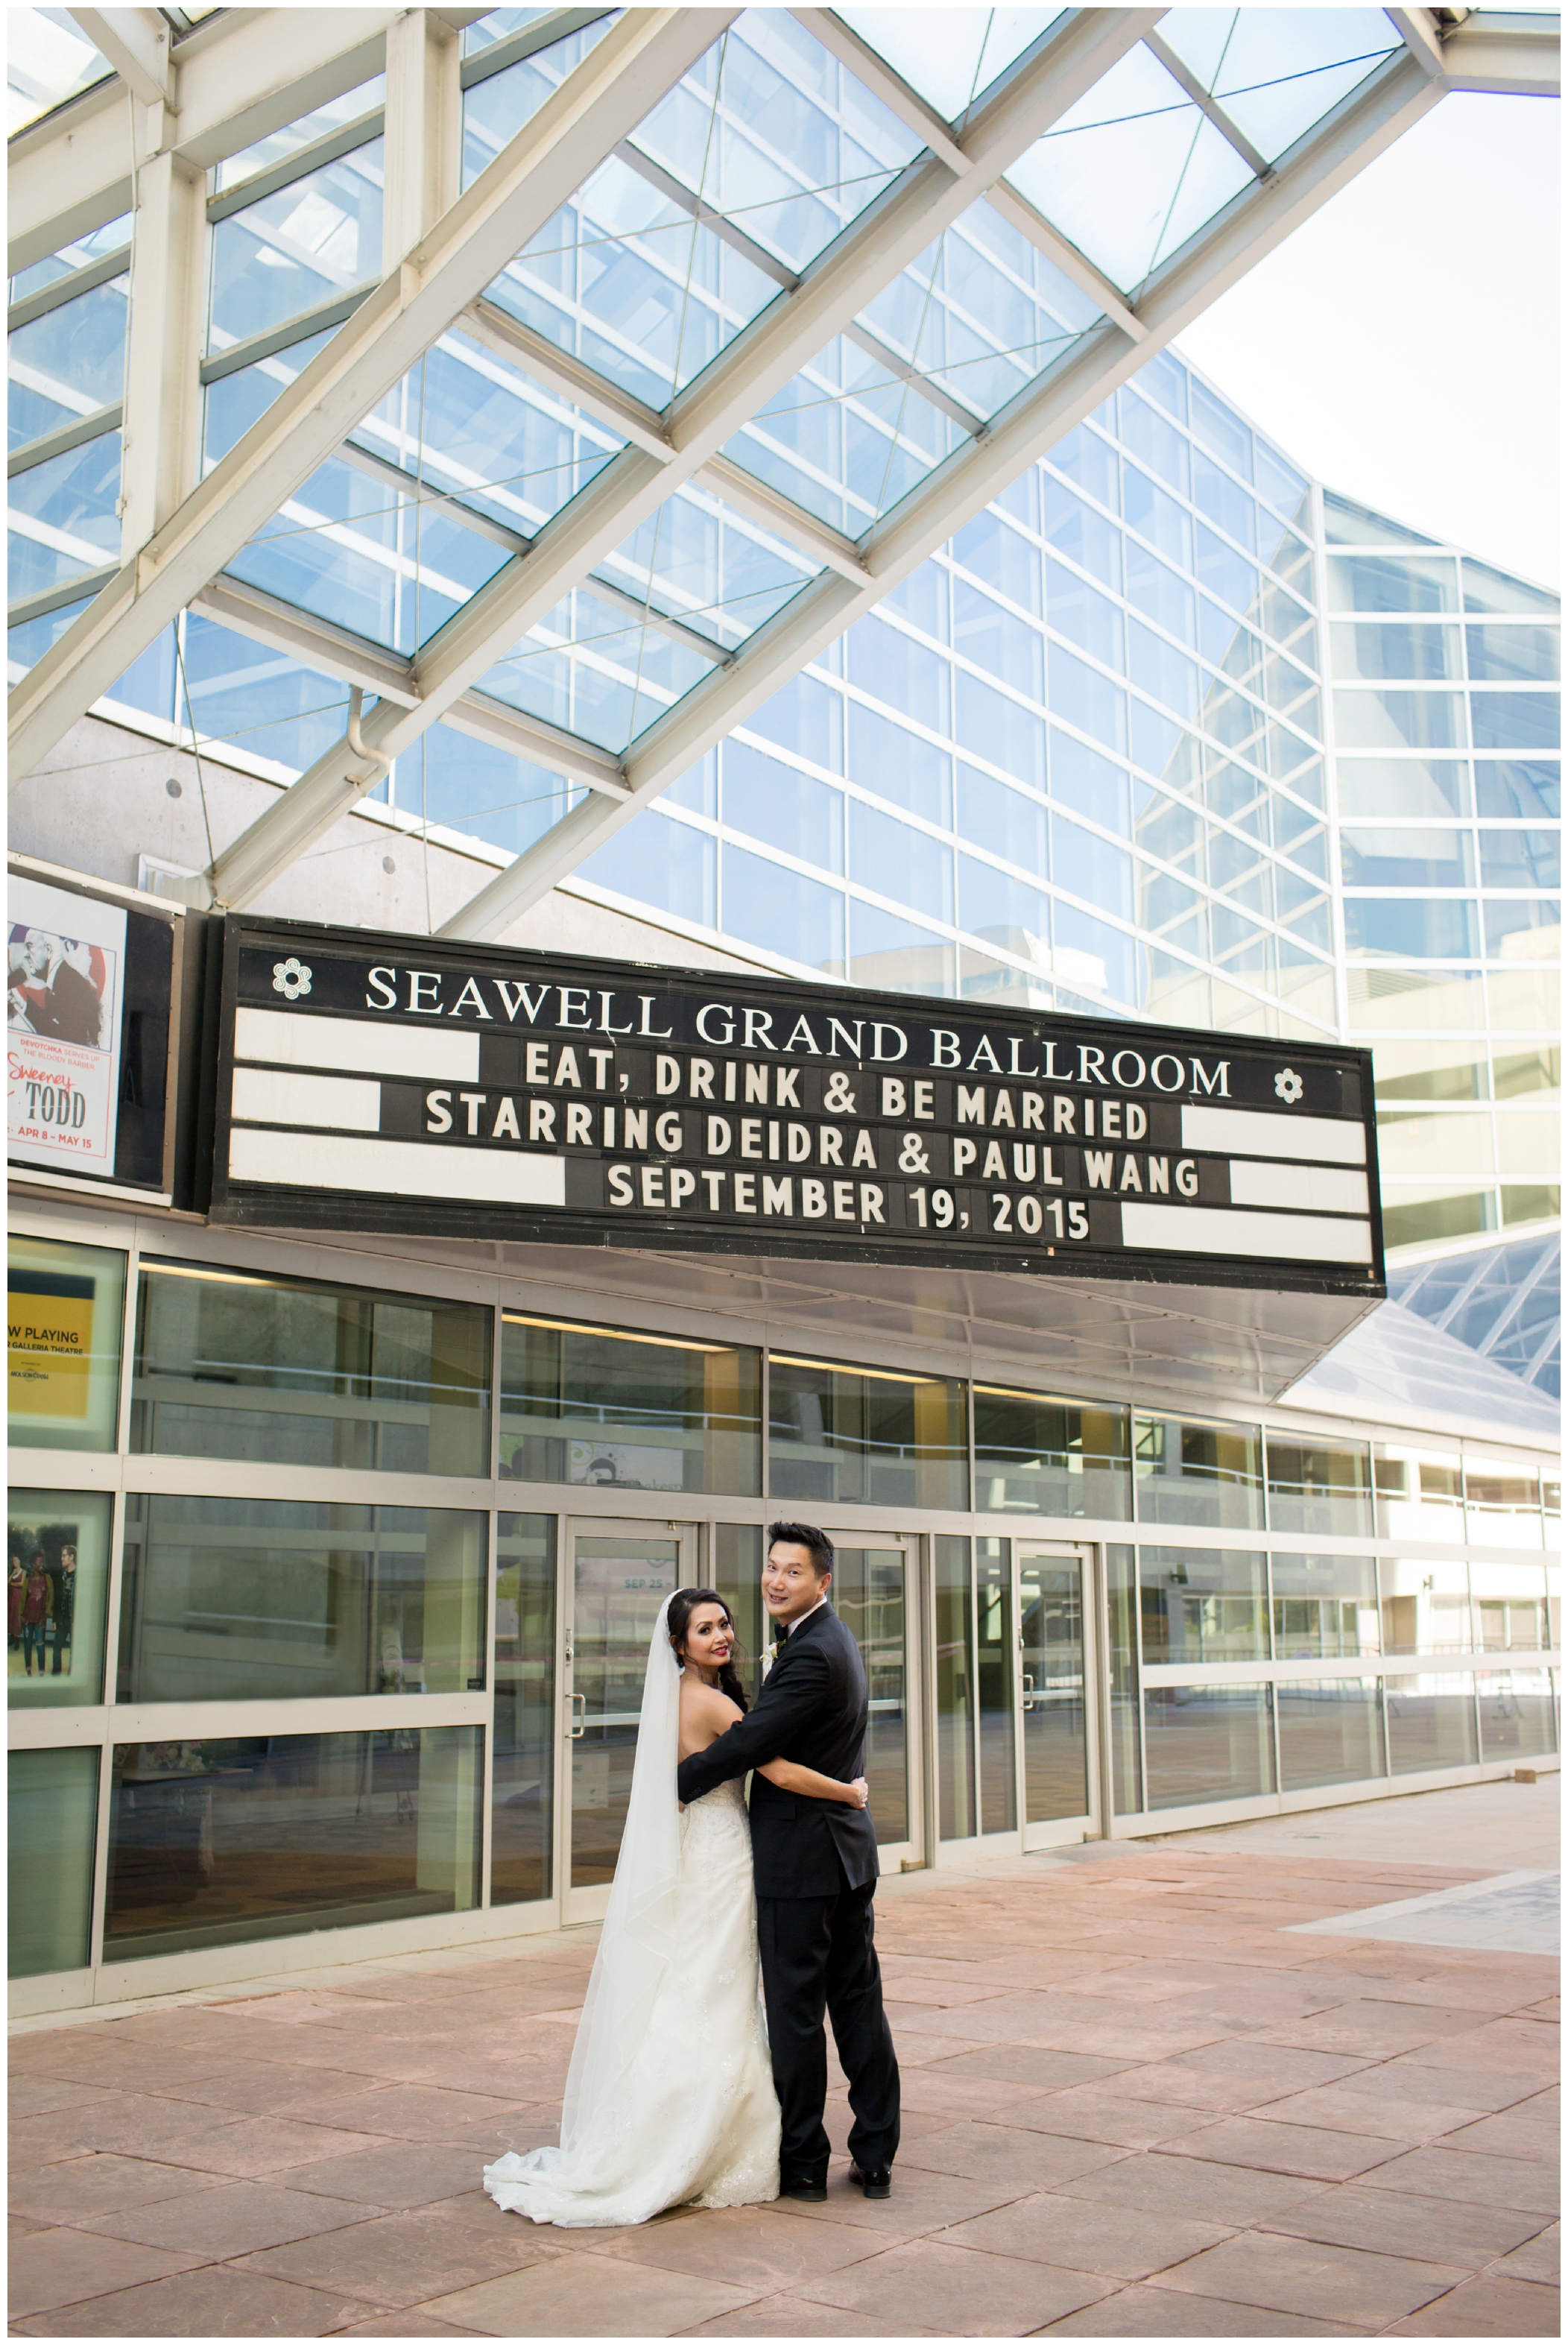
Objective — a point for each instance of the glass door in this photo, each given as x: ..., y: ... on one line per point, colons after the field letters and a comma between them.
x: 1057, y: 1710
x: 872, y: 1588
x: 620, y: 1574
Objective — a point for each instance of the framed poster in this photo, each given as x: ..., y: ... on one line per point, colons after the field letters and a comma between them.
x: 65, y: 958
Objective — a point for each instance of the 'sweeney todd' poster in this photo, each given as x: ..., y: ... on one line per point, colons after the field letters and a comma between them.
x: 64, y: 979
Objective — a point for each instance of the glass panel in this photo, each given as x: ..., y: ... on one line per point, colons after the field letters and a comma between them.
x: 1331, y: 1731
x: 1325, y: 1606
x: 522, y: 1797
x: 68, y: 363
x: 1431, y: 1723
x: 1400, y: 720
x: 994, y: 1685
x: 1425, y: 1604
x: 65, y: 1316
x: 618, y: 1586
x: 223, y: 1842
x: 864, y: 1437
x: 1503, y: 1500
x: 586, y: 1406
x: 62, y: 517
x: 1414, y: 654
x: 230, y: 1364
x: 1418, y: 1493
x: 737, y: 1577
x: 868, y: 1595
x: 1056, y: 1728
x: 1518, y: 1715
x: 1207, y: 1743
x: 1126, y: 1766
x: 240, y: 1598
x: 1524, y: 791
x: 1039, y: 1456
x: 1393, y: 582
x: 1509, y: 1605
x: 1314, y: 1488
x: 57, y: 1585
x: 1198, y: 1474
x: 949, y: 55
x: 1497, y: 655
x: 52, y: 1806
x: 1515, y: 720
x: 957, y: 1803
x: 310, y: 241
x: 347, y: 106
x: 47, y: 60
x: 1202, y: 1604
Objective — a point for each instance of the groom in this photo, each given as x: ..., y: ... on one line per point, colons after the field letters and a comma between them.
x: 815, y: 1866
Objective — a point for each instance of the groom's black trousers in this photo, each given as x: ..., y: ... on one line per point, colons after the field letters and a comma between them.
x: 819, y: 1954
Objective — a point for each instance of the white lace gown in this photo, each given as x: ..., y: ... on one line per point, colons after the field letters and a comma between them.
x: 697, y: 2119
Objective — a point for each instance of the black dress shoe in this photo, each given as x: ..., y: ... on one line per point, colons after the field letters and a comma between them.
x: 811, y: 2194
x: 876, y: 2184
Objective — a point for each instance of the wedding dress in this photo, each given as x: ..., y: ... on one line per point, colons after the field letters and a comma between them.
x: 670, y: 2098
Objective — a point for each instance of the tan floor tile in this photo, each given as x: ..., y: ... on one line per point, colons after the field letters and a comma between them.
x: 1163, y: 2312
x: 1457, y: 2174
x: 403, y: 2259
x: 1096, y: 2113
x: 1324, y: 2282
x: 755, y: 2248
x: 258, y: 2087
x: 1539, y: 2258
x: 1081, y: 2236
x: 233, y: 2219
x: 1313, y: 2152
x: 1390, y: 2222
x: 1408, y: 2080
x: 589, y: 2296
x: 1005, y: 2153
x: 937, y: 2092
x: 1024, y: 2064
x: 956, y: 2292
x: 51, y: 2267
x: 792, y: 2316
x: 1512, y: 2133
x: 403, y: 2324
x: 413, y: 2112
x: 1357, y: 2107
x: 1240, y: 2073
x: 37, y: 2097
x: 214, y: 2301
x: 922, y: 2202
x: 1234, y: 2195
x: 402, y: 2174
x: 258, y: 2147
x: 82, y: 2186
x: 1489, y: 2306
x: 134, y: 2123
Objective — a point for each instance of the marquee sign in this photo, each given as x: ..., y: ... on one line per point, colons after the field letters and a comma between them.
x: 406, y: 1083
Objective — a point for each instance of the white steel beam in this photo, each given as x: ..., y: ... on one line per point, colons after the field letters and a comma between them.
x: 1075, y: 266
x: 644, y: 53
x: 162, y: 418
x: 1420, y: 31
x: 893, y: 231
x: 879, y: 77
x: 422, y: 141
x: 1182, y: 73
x: 1511, y: 56
x: 1258, y: 220
x: 137, y: 43
x: 496, y: 329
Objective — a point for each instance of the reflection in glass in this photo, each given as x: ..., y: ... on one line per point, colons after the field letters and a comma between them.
x: 863, y: 1436
x: 1325, y: 1606
x: 1518, y: 1714
x: 1431, y: 1722
x: 1203, y: 1604
x: 52, y: 1805
x: 1207, y: 1743
x: 868, y: 1595
x: 66, y: 1313
x: 1425, y: 1604
x: 618, y: 1582
x: 957, y: 1805
x: 1508, y: 1602
x: 1331, y: 1731
x: 737, y: 1575
x: 57, y: 1578
x: 624, y: 1412
x: 221, y: 1843
x: 1056, y: 1724
x: 522, y: 1796
x: 1126, y: 1765
x: 1040, y: 1457
x: 231, y: 1364
x: 1315, y: 1488
x: 238, y: 1598
x: 1419, y: 1493
x: 1503, y: 1501
x: 1198, y: 1474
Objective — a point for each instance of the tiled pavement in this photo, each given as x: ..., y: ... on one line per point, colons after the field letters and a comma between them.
x: 1133, y: 2107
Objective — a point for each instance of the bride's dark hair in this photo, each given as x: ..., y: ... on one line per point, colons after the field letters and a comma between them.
x: 682, y: 1604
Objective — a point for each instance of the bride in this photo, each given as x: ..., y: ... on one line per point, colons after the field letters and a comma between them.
x: 643, y: 2127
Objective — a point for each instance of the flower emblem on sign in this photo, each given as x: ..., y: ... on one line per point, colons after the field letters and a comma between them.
x: 290, y: 978
x: 1287, y: 1083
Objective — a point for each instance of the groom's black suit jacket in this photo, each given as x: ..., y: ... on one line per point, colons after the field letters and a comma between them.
x: 813, y: 1709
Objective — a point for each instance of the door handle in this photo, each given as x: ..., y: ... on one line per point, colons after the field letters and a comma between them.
x: 575, y: 1731
x: 1028, y: 1699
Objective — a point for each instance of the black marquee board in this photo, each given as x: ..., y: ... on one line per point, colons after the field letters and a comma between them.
x: 412, y: 1084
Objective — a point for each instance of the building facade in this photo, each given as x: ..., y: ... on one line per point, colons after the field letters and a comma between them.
x: 333, y: 1556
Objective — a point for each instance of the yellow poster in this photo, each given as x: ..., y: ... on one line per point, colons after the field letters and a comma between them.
x: 50, y: 1333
